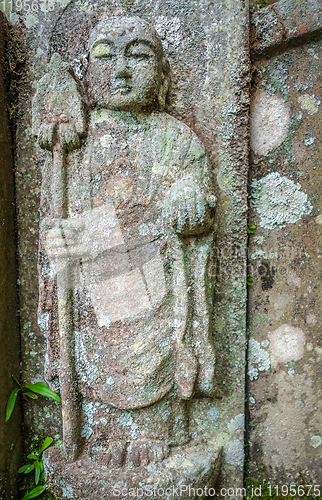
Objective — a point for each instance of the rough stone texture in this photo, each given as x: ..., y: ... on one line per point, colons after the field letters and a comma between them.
x: 10, y: 444
x: 283, y: 22
x: 285, y: 265
x: 129, y: 262
x: 207, y: 46
x: 187, y: 475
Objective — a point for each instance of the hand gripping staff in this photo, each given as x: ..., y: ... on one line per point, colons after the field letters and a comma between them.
x: 59, y: 121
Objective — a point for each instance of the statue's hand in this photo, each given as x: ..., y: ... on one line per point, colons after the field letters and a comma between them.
x: 63, y: 239
x: 65, y: 133
x: 68, y: 136
x: 188, y: 208
x: 47, y: 136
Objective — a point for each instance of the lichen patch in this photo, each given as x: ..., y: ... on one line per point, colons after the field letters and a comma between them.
x: 287, y: 343
x: 258, y: 359
x: 234, y: 454
x: 279, y: 201
x: 309, y: 103
x: 316, y: 441
x: 310, y: 319
x: 270, y: 120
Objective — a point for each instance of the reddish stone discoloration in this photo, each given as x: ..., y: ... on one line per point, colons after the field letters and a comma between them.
x: 199, y: 469
x: 284, y: 21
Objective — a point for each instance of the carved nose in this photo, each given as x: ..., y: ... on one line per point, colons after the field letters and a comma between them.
x: 121, y: 69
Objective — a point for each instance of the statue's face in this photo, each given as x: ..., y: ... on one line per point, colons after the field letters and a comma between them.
x: 125, y: 67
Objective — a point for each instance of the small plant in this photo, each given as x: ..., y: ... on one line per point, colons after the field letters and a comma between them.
x: 31, y: 391
x: 38, y: 467
x: 249, y: 280
x: 251, y: 229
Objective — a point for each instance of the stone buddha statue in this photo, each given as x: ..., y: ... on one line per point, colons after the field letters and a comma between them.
x: 137, y: 242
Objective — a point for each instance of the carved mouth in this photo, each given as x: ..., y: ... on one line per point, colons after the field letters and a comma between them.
x: 121, y: 89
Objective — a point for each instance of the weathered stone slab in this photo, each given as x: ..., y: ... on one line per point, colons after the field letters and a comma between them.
x: 285, y: 264
x: 207, y: 46
x: 283, y: 22
x: 10, y: 444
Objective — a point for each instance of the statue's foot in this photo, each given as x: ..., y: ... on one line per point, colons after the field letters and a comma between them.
x: 146, y: 451
x: 197, y: 466
x: 112, y: 454
x: 137, y: 453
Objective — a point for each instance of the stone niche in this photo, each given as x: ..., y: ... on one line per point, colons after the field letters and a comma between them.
x: 139, y: 131
x: 10, y: 448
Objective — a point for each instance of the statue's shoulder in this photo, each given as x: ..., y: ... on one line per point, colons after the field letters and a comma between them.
x: 181, y: 134
x: 169, y: 123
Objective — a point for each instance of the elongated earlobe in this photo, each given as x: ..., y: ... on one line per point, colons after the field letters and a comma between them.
x: 165, y: 83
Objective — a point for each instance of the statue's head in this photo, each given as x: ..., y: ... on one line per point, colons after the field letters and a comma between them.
x: 127, y: 69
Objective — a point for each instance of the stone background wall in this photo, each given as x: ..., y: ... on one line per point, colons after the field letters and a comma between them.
x: 285, y: 343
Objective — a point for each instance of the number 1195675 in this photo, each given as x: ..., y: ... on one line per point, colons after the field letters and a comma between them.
x: 28, y: 5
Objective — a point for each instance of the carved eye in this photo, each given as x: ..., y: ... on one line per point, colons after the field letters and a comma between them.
x: 140, y: 52
x: 102, y: 51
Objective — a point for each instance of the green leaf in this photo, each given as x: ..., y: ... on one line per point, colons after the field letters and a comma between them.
x: 29, y: 468
x: 261, y: 3
x: 45, y: 444
x: 40, y: 384
x: 23, y: 468
x: 249, y: 280
x: 33, y: 457
x: 31, y: 395
x: 41, y: 463
x: 35, y: 492
x: 17, y: 382
x: 44, y: 391
x: 37, y: 472
x: 11, y: 403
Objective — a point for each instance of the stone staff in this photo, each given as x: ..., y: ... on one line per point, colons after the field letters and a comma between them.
x: 59, y: 122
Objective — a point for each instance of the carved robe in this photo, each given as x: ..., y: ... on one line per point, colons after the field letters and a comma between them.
x: 142, y: 294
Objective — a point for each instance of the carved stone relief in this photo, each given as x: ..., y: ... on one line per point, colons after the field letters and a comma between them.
x: 126, y: 267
